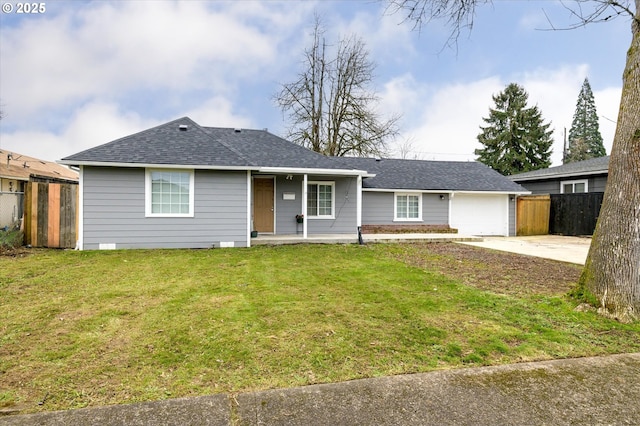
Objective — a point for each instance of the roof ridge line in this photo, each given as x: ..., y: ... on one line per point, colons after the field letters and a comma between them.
x: 230, y: 148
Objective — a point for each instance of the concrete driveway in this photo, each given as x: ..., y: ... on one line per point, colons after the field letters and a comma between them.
x: 556, y: 247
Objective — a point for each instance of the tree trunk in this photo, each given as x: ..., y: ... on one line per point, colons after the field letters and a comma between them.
x: 612, y: 270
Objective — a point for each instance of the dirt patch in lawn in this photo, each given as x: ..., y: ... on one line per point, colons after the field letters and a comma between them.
x: 495, y: 271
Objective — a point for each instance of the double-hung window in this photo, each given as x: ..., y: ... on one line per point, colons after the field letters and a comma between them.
x: 321, y: 200
x: 574, y: 186
x: 408, y: 207
x: 169, y: 193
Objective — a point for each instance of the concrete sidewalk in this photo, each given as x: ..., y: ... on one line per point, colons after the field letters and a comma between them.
x: 586, y: 391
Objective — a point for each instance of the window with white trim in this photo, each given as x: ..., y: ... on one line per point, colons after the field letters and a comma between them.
x: 321, y: 200
x: 169, y: 193
x: 408, y: 207
x: 574, y: 186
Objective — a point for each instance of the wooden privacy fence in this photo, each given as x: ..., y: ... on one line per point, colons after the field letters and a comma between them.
x: 533, y: 215
x: 50, y: 215
x: 574, y: 214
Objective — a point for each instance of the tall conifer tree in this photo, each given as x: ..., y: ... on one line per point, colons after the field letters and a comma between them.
x: 516, y: 139
x: 585, y: 140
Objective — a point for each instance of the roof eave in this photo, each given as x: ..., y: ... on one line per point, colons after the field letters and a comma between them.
x: 154, y: 165
x: 296, y: 170
x: 515, y: 178
x: 446, y: 191
x: 315, y: 171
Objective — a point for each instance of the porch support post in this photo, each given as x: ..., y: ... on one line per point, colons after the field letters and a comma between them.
x: 359, y: 201
x: 304, y: 206
x: 249, y: 221
x: 79, y: 212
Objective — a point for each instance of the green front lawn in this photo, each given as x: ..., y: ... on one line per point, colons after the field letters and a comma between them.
x: 96, y: 328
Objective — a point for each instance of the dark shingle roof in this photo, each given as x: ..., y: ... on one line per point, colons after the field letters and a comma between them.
x: 203, y: 146
x: 586, y: 167
x: 200, y: 146
x: 268, y: 150
x: 431, y: 175
x: 164, y: 144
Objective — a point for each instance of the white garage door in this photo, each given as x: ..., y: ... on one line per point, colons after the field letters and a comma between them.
x: 475, y: 214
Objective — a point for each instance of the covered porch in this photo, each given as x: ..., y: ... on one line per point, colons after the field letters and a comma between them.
x: 292, y: 205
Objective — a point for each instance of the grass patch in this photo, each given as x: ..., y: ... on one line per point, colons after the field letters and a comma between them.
x: 94, y: 328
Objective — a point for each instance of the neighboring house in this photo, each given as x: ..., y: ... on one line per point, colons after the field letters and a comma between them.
x: 184, y: 185
x: 581, y: 176
x: 575, y: 194
x: 18, y: 169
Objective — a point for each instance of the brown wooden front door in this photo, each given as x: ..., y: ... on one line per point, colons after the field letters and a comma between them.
x: 263, y: 204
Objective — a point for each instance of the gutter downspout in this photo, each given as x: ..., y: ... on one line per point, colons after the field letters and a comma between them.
x: 359, y: 208
x: 304, y: 206
x: 249, y: 221
x: 80, y: 218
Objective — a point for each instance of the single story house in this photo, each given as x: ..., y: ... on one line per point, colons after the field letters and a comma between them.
x: 189, y: 186
x: 578, y: 177
x: 18, y: 169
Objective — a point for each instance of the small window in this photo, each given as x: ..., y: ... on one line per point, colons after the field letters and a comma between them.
x: 408, y: 207
x: 574, y: 186
x: 320, y: 200
x: 169, y: 193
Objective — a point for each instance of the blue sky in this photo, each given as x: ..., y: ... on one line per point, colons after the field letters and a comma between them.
x: 84, y: 73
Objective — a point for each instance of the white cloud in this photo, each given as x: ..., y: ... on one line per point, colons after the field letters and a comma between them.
x: 218, y: 112
x: 92, y: 125
x: 608, y: 106
x: 106, y: 49
x: 385, y: 38
x: 444, y: 121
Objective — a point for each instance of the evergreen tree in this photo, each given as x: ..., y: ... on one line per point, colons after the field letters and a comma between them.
x: 585, y: 140
x: 516, y: 139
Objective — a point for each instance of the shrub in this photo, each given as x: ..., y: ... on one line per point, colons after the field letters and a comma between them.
x: 10, y: 240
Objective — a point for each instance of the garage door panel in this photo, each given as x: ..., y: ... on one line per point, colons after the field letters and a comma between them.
x: 475, y: 214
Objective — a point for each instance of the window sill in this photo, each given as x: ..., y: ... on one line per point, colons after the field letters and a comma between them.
x: 168, y: 215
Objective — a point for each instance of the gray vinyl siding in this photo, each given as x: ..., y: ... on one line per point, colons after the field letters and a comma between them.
x: 542, y: 187
x: 114, y: 211
x: 345, y: 221
x: 377, y: 209
x: 597, y: 184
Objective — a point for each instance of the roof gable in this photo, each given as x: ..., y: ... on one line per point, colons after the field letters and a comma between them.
x: 180, y: 142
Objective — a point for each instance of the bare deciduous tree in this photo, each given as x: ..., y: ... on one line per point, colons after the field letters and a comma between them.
x: 406, y: 149
x: 330, y: 106
x: 612, y: 272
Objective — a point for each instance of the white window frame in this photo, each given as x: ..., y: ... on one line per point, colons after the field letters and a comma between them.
x: 147, y: 193
x: 395, y: 207
x: 332, y: 184
x: 573, y: 183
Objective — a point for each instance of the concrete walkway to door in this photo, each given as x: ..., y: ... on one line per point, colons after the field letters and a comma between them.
x: 556, y: 247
